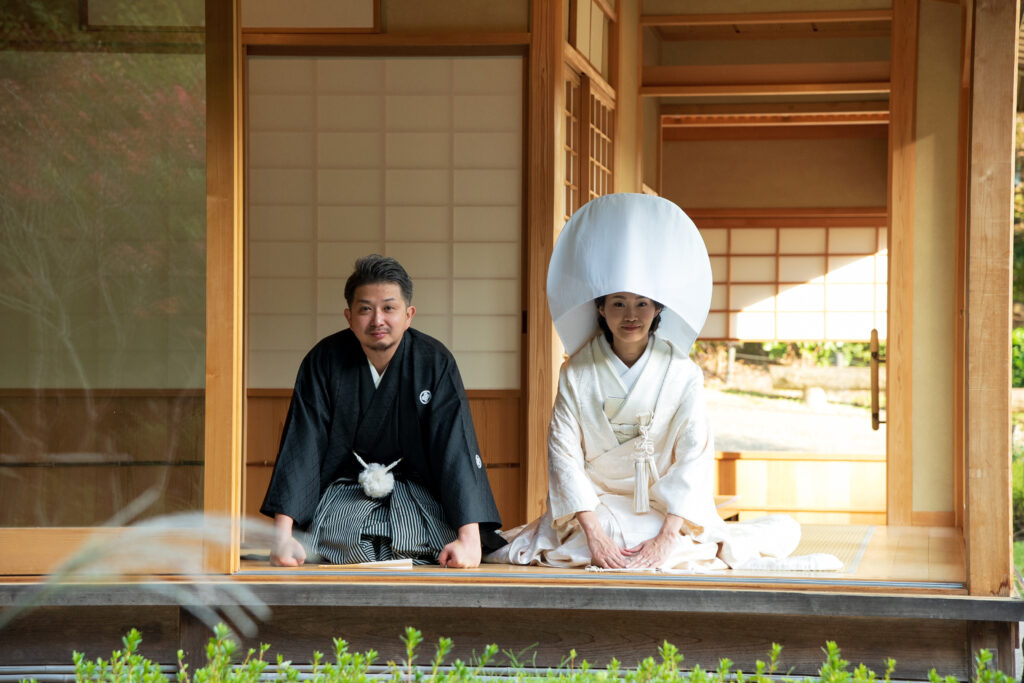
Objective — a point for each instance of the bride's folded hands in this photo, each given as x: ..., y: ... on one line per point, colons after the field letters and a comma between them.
x: 654, y: 551
x: 604, y: 552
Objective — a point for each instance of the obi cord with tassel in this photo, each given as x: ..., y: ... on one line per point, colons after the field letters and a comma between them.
x: 645, y: 472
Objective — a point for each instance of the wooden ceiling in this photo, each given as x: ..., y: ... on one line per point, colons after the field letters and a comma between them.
x: 763, y: 86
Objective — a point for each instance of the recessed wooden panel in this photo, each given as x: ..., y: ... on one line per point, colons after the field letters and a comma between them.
x: 257, y: 479
x: 264, y: 424
x: 90, y: 495
x: 507, y: 487
x: 814, y: 488
x: 61, y: 447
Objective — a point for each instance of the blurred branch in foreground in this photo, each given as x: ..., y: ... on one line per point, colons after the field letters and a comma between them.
x: 165, y: 554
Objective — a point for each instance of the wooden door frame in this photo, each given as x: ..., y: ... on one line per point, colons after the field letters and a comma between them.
x: 43, y: 548
x: 544, y: 182
x: 989, y: 277
x: 224, y: 257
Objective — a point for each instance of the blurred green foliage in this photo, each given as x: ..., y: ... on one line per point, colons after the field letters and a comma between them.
x: 822, y: 354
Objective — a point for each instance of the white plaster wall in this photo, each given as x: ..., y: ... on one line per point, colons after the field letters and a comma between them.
x: 935, y: 197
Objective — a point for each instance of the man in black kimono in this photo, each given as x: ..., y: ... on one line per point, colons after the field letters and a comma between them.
x: 374, y: 402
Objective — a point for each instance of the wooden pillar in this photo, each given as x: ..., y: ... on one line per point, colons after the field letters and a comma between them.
x: 999, y: 638
x: 899, y: 351
x: 988, y: 528
x: 223, y: 443
x: 544, y: 217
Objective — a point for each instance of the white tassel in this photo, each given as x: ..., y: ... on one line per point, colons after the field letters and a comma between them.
x: 644, y: 469
x: 376, y: 480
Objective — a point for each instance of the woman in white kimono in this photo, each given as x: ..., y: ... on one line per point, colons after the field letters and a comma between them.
x: 630, y: 453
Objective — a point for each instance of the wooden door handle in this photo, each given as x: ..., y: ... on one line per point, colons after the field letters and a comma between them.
x: 876, y: 358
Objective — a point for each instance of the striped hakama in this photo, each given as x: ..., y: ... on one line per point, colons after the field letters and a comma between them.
x: 350, y: 527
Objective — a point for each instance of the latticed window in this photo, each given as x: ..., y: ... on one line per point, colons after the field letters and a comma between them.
x: 571, y: 144
x: 796, y: 281
x: 602, y: 118
x: 588, y: 141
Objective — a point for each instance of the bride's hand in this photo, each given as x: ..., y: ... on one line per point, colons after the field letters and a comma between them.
x: 653, y: 552
x: 603, y: 550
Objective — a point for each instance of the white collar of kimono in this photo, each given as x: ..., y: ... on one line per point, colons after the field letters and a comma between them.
x: 375, y: 375
x: 628, y: 374
x: 629, y: 243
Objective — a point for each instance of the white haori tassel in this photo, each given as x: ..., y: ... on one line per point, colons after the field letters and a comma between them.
x: 376, y: 480
x: 644, y: 471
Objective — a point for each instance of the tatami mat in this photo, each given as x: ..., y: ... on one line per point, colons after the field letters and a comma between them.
x: 848, y: 543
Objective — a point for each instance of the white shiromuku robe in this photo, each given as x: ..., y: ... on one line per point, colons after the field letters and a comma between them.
x: 593, y: 443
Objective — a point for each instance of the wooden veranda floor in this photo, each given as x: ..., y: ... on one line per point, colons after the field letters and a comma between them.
x: 929, y: 559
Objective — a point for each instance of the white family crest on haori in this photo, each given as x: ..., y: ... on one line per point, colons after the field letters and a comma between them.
x: 425, y: 396
x: 629, y: 243
x: 376, y: 480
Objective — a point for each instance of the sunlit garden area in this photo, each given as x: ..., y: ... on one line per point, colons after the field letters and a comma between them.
x: 774, y: 396
x: 1018, y: 349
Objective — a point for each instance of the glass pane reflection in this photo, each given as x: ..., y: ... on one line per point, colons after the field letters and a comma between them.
x: 102, y: 270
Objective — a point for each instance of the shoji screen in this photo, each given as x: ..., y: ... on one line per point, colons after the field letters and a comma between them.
x: 796, y: 283
x: 419, y: 158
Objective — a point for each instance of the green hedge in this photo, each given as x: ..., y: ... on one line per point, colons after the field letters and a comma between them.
x: 1017, y: 356
x: 225, y: 664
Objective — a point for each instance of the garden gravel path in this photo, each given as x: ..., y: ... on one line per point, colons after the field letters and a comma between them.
x: 748, y: 422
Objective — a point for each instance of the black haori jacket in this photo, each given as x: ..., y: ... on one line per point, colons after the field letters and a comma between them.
x: 419, y: 413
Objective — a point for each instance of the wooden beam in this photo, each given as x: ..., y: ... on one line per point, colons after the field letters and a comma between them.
x: 224, y: 253
x: 756, y: 18
x: 772, y: 32
x: 764, y: 74
x: 749, y: 89
x: 771, y: 132
x: 326, y: 38
x: 759, y: 120
x: 864, y: 107
x: 544, y: 186
x: 873, y: 213
x: 867, y: 217
x: 989, y: 279
x: 899, y: 355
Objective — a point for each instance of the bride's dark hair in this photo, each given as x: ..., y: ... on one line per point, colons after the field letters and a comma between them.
x: 603, y: 324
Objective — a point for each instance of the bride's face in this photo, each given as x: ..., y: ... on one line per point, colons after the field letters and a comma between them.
x: 629, y: 316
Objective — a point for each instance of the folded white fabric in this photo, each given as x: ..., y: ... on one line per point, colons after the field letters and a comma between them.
x: 815, y: 562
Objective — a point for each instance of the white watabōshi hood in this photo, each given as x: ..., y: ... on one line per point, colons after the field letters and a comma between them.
x: 629, y: 243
